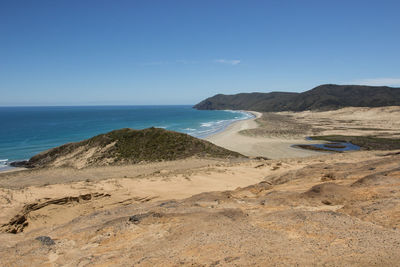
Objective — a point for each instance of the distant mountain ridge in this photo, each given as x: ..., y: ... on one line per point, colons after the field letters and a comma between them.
x: 323, y: 97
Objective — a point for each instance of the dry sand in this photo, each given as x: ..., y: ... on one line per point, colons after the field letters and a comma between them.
x: 332, y: 210
x: 273, y: 135
x: 381, y: 121
x: 322, y: 210
x: 275, y: 147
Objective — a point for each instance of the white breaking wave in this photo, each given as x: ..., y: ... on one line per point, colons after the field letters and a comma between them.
x: 233, y: 111
x: 206, y: 124
x: 3, y: 164
x: 212, y: 127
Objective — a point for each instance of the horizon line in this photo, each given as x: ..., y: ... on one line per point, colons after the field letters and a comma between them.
x: 95, y: 105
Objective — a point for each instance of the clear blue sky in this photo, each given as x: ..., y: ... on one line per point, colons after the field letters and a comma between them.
x: 72, y: 52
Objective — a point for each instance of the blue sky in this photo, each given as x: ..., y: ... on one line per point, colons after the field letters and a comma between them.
x: 80, y: 52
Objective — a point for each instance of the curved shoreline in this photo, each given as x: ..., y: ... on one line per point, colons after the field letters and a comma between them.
x: 255, y: 115
x: 230, y: 138
x: 270, y: 147
x: 218, y: 124
x: 224, y: 127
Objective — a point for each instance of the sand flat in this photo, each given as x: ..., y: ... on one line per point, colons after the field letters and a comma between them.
x: 262, y: 135
x: 254, y: 146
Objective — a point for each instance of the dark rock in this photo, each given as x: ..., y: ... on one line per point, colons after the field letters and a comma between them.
x: 326, y: 202
x: 45, y: 240
x: 259, y: 166
x: 261, y: 158
x: 169, y: 204
x: 21, y: 163
x: 230, y: 259
x: 328, y: 176
x: 137, y: 218
x: 215, y: 263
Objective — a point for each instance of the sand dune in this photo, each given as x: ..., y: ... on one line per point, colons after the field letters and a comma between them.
x: 329, y: 210
x: 305, y: 208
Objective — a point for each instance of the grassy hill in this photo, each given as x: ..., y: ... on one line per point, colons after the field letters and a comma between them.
x: 127, y: 146
x: 323, y: 97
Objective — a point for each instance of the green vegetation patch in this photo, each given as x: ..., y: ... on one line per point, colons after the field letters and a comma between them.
x: 323, y: 97
x: 134, y: 146
x: 155, y: 144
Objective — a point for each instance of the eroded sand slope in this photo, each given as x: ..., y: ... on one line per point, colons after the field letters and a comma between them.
x: 340, y: 209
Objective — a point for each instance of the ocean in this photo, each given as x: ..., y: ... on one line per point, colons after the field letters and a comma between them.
x: 26, y: 131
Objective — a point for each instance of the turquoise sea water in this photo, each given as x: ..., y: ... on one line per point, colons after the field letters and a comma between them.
x: 26, y: 131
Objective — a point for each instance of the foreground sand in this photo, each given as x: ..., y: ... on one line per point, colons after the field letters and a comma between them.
x: 332, y: 210
x: 320, y: 210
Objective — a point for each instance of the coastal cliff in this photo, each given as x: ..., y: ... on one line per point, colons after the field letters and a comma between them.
x: 323, y: 97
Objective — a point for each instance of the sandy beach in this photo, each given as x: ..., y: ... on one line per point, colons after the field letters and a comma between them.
x: 260, y: 146
x: 272, y: 135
